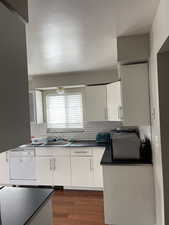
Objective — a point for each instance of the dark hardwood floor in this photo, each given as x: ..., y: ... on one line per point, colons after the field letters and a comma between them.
x: 78, y: 208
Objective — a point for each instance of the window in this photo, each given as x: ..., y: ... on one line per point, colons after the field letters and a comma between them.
x: 64, y: 111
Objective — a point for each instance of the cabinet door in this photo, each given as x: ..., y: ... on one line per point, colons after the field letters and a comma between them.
x: 62, y: 171
x: 82, y: 172
x: 39, y: 107
x: 44, y: 170
x: 32, y: 107
x: 98, y: 173
x: 114, y: 101
x: 135, y: 94
x: 4, y: 168
x: 96, y: 103
x: 36, y: 107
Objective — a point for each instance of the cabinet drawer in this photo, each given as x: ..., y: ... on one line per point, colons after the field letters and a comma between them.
x: 81, y: 152
x: 52, y: 151
x: 61, y: 151
x: 43, y: 151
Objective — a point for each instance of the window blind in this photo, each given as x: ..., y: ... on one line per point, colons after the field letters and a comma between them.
x: 64, y: 110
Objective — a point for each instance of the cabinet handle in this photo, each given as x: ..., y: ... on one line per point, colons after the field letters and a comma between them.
x: 91, y: 165
x: 6, y: 156
x: 120, y: 117
x: 50, y: 164
x: 34, y: 152
x: 80, y: 152
x: 54, y: 164
x: 121, y: 113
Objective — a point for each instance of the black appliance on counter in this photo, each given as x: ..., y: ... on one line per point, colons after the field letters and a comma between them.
x: 127, y: 145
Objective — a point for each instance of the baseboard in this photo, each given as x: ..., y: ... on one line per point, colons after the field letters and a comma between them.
x: 83, y: 188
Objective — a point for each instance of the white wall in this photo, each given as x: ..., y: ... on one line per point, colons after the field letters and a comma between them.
x: 73, y: 78
x: 159, y: 33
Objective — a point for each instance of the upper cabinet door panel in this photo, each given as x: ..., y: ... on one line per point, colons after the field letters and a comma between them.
x: 14, y: 106
x: 135, y: 94
x: 96, y: 103
x: 20, y: 6
x: 114, y: 101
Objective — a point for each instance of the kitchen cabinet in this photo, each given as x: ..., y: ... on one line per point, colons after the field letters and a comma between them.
x: 14, y: 113
x: 62, y: 171
x: 74, y: 167
x: 129, y: 194
x: 114, y: 104
x: 96, y: 103
x: 44, y: 170
x: 135, y: 94
x: 4, y: 168
x: 36, y: 107
x: 53, y: 166
x: 82, y: 171
x: 98, y: 173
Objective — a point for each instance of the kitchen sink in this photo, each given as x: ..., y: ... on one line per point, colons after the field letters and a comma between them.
x: 58, y: 143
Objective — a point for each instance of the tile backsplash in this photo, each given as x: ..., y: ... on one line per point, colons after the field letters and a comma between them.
x: 90, y: 130
x: 89, y: 133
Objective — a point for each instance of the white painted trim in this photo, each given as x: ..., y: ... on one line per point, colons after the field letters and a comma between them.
x: 83, y: 188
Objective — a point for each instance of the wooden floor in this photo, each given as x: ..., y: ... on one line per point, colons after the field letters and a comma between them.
x: 78, y: 208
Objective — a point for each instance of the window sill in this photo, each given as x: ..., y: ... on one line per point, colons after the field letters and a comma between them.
x: 53, y: 130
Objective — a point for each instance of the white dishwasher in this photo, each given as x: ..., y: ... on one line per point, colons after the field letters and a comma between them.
x: 22, y: 166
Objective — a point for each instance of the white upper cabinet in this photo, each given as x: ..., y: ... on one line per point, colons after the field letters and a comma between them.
x: 36, y: 107
x: 14, y: 112
x: 135, y: 94
x: 114, y: 105
x: 96, y: 103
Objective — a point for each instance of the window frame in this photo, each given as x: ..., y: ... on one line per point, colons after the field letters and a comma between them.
x: 67, y: 91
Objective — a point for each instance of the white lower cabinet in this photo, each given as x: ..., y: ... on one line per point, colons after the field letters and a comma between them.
x: 73, y: 167
x: 44, y: 172
x: 62, y: 171
x: 129, y: 194
x: 59, y: 166
x: 82, y: 171
x: 4, y: 168
x: 98, y: 171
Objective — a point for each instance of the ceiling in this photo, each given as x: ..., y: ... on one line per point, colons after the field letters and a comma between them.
x: 80, y: 35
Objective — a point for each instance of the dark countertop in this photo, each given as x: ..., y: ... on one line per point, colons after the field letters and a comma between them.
x: 86, y: 143
x: 108, y: 160
x: 18, y: 205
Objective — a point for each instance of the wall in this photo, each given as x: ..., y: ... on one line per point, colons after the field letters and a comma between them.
x: 14, y: 113
x: 20, y: 6
x: 163, y: 81
x: 134, y: 48
x: 76, y: 78
x: 90, y: 131
x: 159, y: 33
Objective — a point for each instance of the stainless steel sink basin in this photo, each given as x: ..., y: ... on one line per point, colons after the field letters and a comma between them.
x: 58, y: 143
